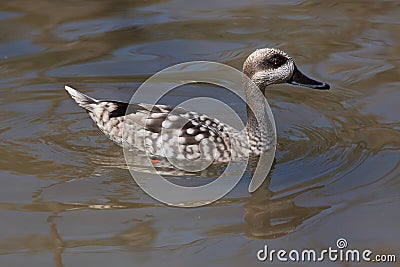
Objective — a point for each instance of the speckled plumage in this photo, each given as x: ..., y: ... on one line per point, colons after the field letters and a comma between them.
x: 152, y: 128
x: 164, y: 131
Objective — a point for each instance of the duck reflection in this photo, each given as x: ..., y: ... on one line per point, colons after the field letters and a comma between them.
x: 268, y: 217
x: 267, y: 214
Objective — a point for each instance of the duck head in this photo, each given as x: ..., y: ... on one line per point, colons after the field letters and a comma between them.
x: 273, y: 66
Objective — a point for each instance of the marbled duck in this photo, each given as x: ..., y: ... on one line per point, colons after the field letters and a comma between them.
x: 150, y: 127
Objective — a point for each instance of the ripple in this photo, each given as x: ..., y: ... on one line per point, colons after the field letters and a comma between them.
x: 67, y: 194
x: 310, y: 154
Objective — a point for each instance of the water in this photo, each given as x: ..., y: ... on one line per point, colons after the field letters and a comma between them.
x: 66, y: 197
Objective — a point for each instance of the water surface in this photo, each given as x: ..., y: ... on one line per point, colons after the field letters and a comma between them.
x: 66, y: 197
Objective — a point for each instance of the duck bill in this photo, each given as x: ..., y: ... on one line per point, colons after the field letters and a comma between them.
x: 300, y: 79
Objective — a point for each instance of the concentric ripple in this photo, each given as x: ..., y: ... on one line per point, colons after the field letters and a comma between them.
x: 311, y: 154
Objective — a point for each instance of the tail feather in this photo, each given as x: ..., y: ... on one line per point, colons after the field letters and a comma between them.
x: 81, y: 99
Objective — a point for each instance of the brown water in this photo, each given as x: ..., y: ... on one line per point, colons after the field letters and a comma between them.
x: 66, y: 198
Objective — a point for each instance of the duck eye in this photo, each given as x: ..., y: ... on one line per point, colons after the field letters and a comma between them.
x: 277, y: 60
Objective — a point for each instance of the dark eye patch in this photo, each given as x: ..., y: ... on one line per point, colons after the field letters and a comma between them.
x: 276, y: 60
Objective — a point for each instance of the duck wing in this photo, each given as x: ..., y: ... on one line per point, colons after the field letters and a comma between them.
x: 159, y: 129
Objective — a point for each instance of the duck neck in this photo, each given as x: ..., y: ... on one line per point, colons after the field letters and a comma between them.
x: 257, y: 116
